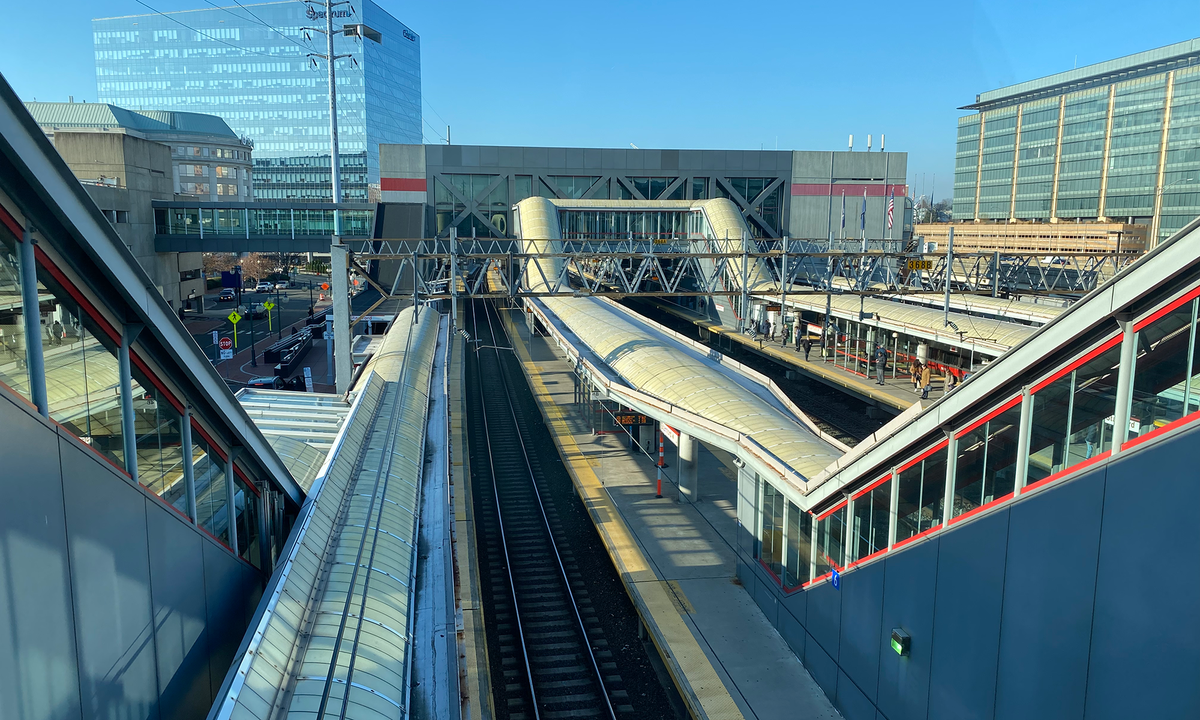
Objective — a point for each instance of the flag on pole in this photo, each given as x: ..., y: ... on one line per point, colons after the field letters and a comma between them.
x: 843, y: 210
x: 862, y: 215
x: 891, y: 207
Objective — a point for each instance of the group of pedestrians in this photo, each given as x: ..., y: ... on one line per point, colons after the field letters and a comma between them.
x: 921, y: 374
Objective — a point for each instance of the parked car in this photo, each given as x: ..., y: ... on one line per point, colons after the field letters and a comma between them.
x: 227, y: 295
x: 281, y: 285
x: 264, y: 286
x: 269, y: 383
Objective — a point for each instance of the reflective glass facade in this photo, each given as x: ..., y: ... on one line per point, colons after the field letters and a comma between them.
x: 1123, y: 145
x: 250, y: 66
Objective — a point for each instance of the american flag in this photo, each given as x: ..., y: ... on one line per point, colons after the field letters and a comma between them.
x: 891, y: 207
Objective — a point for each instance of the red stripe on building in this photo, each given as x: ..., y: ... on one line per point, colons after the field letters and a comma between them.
x: 403, y: 184
x: 851, y: 190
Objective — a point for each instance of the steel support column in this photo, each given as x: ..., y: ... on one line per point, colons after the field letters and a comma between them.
x: 35, y: 361
x: 1124, y: 383
x: 129, y: 333
x: 340, y: 290
x: 1024, y: 432
x: 689, y: 477
x: 189, y: 475
x: 231, y: 499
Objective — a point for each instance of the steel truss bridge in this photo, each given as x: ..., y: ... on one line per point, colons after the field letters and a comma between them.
x: 458, y: 268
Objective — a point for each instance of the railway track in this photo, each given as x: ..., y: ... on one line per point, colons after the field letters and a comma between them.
x: 547, y: 640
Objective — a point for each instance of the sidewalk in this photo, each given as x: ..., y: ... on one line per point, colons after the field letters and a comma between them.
x: 896, y: 392
x: 677, y: 561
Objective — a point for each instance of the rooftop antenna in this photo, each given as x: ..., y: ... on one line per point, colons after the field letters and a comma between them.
x: 635, y: 147
x: 852, y: 143
x: 868, y: 143
x: 447, y: 134
x: 882, y: 138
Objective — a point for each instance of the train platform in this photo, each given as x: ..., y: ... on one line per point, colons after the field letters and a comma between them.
x: 896, y: 393
x: 678, y: 561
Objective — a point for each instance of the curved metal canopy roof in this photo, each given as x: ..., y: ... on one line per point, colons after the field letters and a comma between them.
x: 666, y: 370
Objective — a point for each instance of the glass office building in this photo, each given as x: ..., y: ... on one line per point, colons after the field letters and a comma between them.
x: 250, y: 65
x: 1118, y: 141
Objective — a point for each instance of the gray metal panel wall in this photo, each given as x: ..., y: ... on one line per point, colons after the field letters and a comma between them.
x: 1145, y: 661
x: 38, y: 673
x: 1078, y: 601
x: 107, y: 597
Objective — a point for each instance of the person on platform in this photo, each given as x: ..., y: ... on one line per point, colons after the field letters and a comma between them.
x: 806, y: 343
x: 914, y: 373
x: 926, y: 379
x: 880, y: 363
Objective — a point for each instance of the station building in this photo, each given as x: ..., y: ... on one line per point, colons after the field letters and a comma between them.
x: 794, y: 193
x: 1118, y: 141
x: 252, y: 68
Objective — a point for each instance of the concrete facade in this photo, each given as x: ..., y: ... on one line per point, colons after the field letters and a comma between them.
x: 135, y: 172
x: 780, y: 192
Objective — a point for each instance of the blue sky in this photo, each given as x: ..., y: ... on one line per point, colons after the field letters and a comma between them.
x: 697, y: 74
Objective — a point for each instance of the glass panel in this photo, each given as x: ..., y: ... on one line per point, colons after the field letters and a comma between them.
x: 987, y: 462
x: 1162, y: 383
x: 1073, y: 417
x: 772, y: 539
x: 247, y: 517
x: 158, y: 427
x: 523, y: 187
x: 12, y: 322
x: 831, y: 534
x: 209, y: 472
x: 870, y: 529
x: 82, y: 378
x: 799, y: 547
x: 922, y: 488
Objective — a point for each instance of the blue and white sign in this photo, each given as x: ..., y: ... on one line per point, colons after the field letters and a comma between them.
x: 835, y: 579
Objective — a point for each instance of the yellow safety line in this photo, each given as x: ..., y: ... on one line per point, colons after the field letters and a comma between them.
x: 658, y: 603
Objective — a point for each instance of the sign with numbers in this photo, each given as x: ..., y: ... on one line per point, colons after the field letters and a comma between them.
x: 920, y: 264
x: 234, y: 317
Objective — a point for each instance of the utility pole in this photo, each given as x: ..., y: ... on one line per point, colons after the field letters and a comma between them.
x: 339, y: 262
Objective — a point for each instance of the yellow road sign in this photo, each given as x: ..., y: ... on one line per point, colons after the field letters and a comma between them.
x: 920, y: 264
x: 269, y: 305
x: 234, y: 317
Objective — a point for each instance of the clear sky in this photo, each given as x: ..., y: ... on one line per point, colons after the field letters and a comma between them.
x: 672, y: 74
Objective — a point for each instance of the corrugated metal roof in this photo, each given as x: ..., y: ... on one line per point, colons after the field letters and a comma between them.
x: 301, y: 427
x: 97, y: 116
x: 344, y: 595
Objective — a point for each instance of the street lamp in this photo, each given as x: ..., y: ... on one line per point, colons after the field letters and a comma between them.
x: 1157, y: 222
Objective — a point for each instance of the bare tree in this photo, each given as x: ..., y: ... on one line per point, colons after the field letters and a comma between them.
x: 257, y: 266
x: 218, y: 262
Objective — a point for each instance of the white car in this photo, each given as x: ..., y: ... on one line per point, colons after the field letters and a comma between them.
x: 264, y: 286
x: 281, y: 285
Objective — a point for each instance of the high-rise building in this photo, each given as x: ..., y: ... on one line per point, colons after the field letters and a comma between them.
x: 251, y: 66
x: 1117, y: 141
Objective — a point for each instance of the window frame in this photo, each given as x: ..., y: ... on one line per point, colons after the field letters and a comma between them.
x: 1080, y: 360
x: 1147, y: 319
x: 920, y: 457
x: 990, y: 415
x: 861, y: 493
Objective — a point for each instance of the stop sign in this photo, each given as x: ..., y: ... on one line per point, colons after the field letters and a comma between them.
x: 225, y: 344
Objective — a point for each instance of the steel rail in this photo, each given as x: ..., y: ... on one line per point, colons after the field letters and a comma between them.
x: 512, y: 584
x: 546, y: 521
